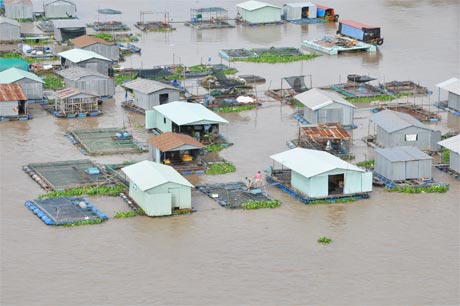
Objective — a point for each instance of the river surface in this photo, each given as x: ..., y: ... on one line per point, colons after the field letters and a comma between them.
x: 391, y: 249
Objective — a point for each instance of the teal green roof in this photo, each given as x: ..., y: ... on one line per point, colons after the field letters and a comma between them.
x: 14, y: 74
x: 8, y: 62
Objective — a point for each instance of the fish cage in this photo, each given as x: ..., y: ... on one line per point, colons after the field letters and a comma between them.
x: 235, y: 54
x: 66, y: 211
x: 67, y: 174
x: 403, y: 87
x: 233, y: 195
x: 209, y: 18
x: 105, y: 141
x: 415, y: 111
x: 356, y: 90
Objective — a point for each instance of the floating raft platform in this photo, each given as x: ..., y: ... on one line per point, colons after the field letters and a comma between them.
x: 204, y: 25
x: 65, y: 211
x: 153, y: 26
x: 404, y: 87
x: 336, y: 45
x: 100, y: 141
x: 108, y: 26
x: 356, y: 90
x: 16, y: 118
x: 235, y: 54
x: 445, y: 168
x: 445, y: 106
x: 415, y: 111
x: 232, y: 195
x: 66, y: 174
x: 414, y: 183
x: 274, y: 181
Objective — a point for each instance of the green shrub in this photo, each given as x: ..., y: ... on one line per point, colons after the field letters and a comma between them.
x: 215, y: 147
x: 324, y: 239
x: 260, y: 204
x: 220, y: 168
x: 232, y: 109
x: 366, y: 164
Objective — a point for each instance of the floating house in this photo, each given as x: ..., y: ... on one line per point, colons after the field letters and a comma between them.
x: 98, y: 45
x: 326, y: 12
x: 66, y: 29
x: 402, y: 163
x: 13, y: 101
x: 18, y: 9
x: 158, y: 189
x: 362, y: 32
x: 318, y: 174
x: 453, y: 145
x: 395, y: 129
x: 255, y: 12
x: 31, y: 84
x: 150, y: 93
x: 86, y: 59
x: 452, y: 86
x: 322, y: 106
x: 56, y: 9
x: 74, y: 101
x: 10, y: 30
x: 297, y: 11
x: 182, y: 117
x: 172, y: 147
x: 87, y: 79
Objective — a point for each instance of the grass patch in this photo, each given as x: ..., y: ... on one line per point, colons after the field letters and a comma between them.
x: 271, y: 58
x: 125, y: 214
x: 199, y: 68
x: 260, y: 204
x: 52, y: 81
x: 84, y: 222
x: 366, y: 164
x: 105, y: 36
x: 125, y: 77
x: 233, y: 109
x: 324, y: 239
x: 220, y: 168
x: 445, y: 156
x: 215, y: 147
x: 86, y: 190
x: 29, y: 59
x: 412, y: 189
x: 230, y: 71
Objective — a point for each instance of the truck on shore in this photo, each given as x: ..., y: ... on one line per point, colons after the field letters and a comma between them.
x: 360, y: 31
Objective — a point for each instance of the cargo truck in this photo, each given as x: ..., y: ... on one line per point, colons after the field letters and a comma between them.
x: 361, y: 32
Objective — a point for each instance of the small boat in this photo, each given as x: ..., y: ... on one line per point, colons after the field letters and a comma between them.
x: 359, y: 78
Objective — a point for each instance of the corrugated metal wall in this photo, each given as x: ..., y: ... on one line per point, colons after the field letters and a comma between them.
x: 454, y: 161
x: 59, y: 9
x: 111, y: 52
x: 262, y: 15
x: 403, y: 170
x: 295, y: 13
x: 330, y: 114
x: 352, y: 32
x: 149, y: 101
x: 426, y: 139
x: 18, y: 11
x: 32, y: 89
x: 92, y: 64
x: 9, y: 108
x: 453, y: 101
x: 9, y: 32
x: 100, y: 86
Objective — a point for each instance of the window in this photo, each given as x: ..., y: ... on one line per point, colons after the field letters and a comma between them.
x: 164, y: 98
x: 411, y: 137
x: 164, y: 120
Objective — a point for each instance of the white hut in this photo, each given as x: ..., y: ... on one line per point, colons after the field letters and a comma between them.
x: 55, y: 9
x: 149, y: 93
x: 256, y: 12
x: 297, y: 11
x: 98, y: 45
x: 158, y: 189
x: 86, y: 59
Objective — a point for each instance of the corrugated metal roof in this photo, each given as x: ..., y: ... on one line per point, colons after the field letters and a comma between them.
x: 75, y: 73
x: 392, y: 121
x: 68, y: 23
x: 70, y: 92
x: 14, y: 74
x: 255, y: 5
x: 452, y: 143
x: 48, y: 2
x: 327, y: 130
x: 169, y: 141
x: 79, y: 55
x: 11, y: 92
x: 86, y: 40
x: 147, y: 175
x: 301, y: 4
x: 9, y: 21
x: 358, y: 25
x: 310, y: 163
x: 399, y: 154
x: 184, y: 113
x: 451, y: 85
x: 317, y: 98
x: 147, y: 86
x: 26, y: 2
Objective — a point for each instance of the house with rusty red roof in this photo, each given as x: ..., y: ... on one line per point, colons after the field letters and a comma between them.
x: 174, y: 148
x: 13, y: 101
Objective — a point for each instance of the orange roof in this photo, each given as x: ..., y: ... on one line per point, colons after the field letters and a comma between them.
x: 11, y: 92
x: 86, y: 40
x: 327, y: 130
x: 169, y: 141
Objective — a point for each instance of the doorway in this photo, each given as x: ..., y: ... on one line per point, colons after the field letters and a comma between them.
x: 336, y: 183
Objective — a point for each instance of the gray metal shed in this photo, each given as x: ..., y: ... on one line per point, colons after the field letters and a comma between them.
x: 256, y: 12
x: 321, y: 106
x: 90, y: 80
x: 149, y: 93
x: 402, y: 163
x: 86, y: 59
x: 10, y: 30
x: 452, y: 86
x: 31, y: 84
x: 68, y: 28
x: 453, y: 145
x: 98, y: 45
x: 297, y: 11
x: 18, y: 9
x: 59, y: 9
x: 395, y: 129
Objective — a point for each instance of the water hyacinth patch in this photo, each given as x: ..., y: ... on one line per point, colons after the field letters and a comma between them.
x: 324, y: 239
x: 414, y: 189
x: 220, y: 168
x: 276, y: 58
x: 260, y: 204
x: 233, y: 109
x: 113, y: 191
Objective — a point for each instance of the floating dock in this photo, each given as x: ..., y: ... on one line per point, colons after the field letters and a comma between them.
x: 415, y: 111
x: 204, y: 25
x: 412, y: 183
x: 336, y: 45
x: 233, y: 195
x: 66, y: 211
x: 445, y: 168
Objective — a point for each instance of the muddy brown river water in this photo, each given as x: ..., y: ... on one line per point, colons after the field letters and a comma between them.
x: 391, y: 249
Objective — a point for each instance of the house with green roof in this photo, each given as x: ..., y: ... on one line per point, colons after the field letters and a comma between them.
x: 32, y: 85
x: 158, y: 189
x: 86, y: 59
